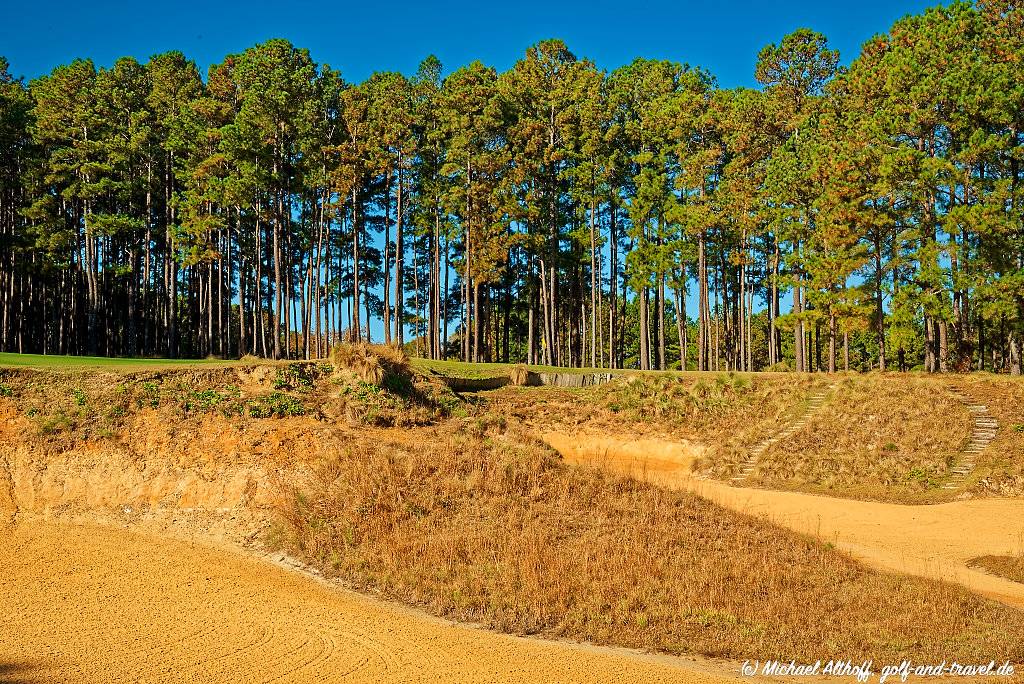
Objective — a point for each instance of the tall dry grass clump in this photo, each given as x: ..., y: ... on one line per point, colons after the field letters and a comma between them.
x: 372, y: 363
x: 713, y: 409
x: 486, y: 525
x: 519, y: 375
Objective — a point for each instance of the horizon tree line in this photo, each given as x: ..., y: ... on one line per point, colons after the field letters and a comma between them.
x: 835, y: 217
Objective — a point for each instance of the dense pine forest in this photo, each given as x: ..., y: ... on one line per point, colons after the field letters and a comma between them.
x: 856, y: 217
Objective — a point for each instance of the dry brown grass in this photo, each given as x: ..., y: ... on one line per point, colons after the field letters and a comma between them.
x: 880, y: 437
x: 478, y: 522
x: 519, y: 375
x: 371, y: 362
x: 1010, y: 567
x: 715, y: 409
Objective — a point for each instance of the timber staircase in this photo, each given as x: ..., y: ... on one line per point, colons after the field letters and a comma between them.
x: 814, y: 404
x: 983, y: 431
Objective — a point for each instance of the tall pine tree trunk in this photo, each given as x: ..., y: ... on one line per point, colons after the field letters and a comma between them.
x: 703, y: 324
x: 356, y: 330
x: 661, y: 321
x: 681, y: 325
x: 879, y: 311
x: 612, y: 286
x: 594, y: 319
x: 399, y: 259
x: 645, y: 329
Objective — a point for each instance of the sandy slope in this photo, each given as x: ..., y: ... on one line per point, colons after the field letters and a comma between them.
x: 930, y: 541
x: 96, y: 604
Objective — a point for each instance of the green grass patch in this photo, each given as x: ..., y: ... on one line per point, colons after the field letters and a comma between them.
x: 53, y: 362
x: 475, y: 371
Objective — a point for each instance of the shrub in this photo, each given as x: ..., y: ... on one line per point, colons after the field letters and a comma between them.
x: 519, y: 375
x: 209, y: 399
x: 295, y: 376
x: 150, y: 394
x: 275, y: 404
x: 371, y: 363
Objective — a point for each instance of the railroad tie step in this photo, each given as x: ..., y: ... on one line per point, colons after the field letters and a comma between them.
x: 814, y: 403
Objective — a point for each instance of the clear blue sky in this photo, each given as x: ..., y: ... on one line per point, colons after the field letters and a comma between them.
x: 361, y: 37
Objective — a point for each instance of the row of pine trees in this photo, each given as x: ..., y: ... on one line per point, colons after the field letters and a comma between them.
x: 864, y: 217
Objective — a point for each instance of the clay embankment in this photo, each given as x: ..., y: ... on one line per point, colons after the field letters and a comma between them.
x: 123, y: 564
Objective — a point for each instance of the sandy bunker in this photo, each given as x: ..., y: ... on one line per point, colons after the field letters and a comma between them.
x: 94, y: 604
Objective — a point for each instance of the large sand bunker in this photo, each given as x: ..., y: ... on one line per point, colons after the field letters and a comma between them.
x: 94, y: 604
x: 158, y: 591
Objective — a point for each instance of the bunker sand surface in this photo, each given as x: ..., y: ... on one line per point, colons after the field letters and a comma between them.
x: 88, y: 603
x: 933, y: 541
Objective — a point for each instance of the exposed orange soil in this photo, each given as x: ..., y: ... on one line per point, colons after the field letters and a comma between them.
x: 135, y: 598
x: 653, y: 460
x: 96, y: 604
x: 930, y: 541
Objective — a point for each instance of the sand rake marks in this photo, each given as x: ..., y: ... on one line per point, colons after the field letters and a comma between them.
x: 814, y: 404
x: 983, y: 430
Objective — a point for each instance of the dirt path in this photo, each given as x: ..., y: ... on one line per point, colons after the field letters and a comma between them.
x: 96, y: 604
x: 931, y: 541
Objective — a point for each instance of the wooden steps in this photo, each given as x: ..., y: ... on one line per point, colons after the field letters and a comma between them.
x: 984, y: 430
x: 814, y: 404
